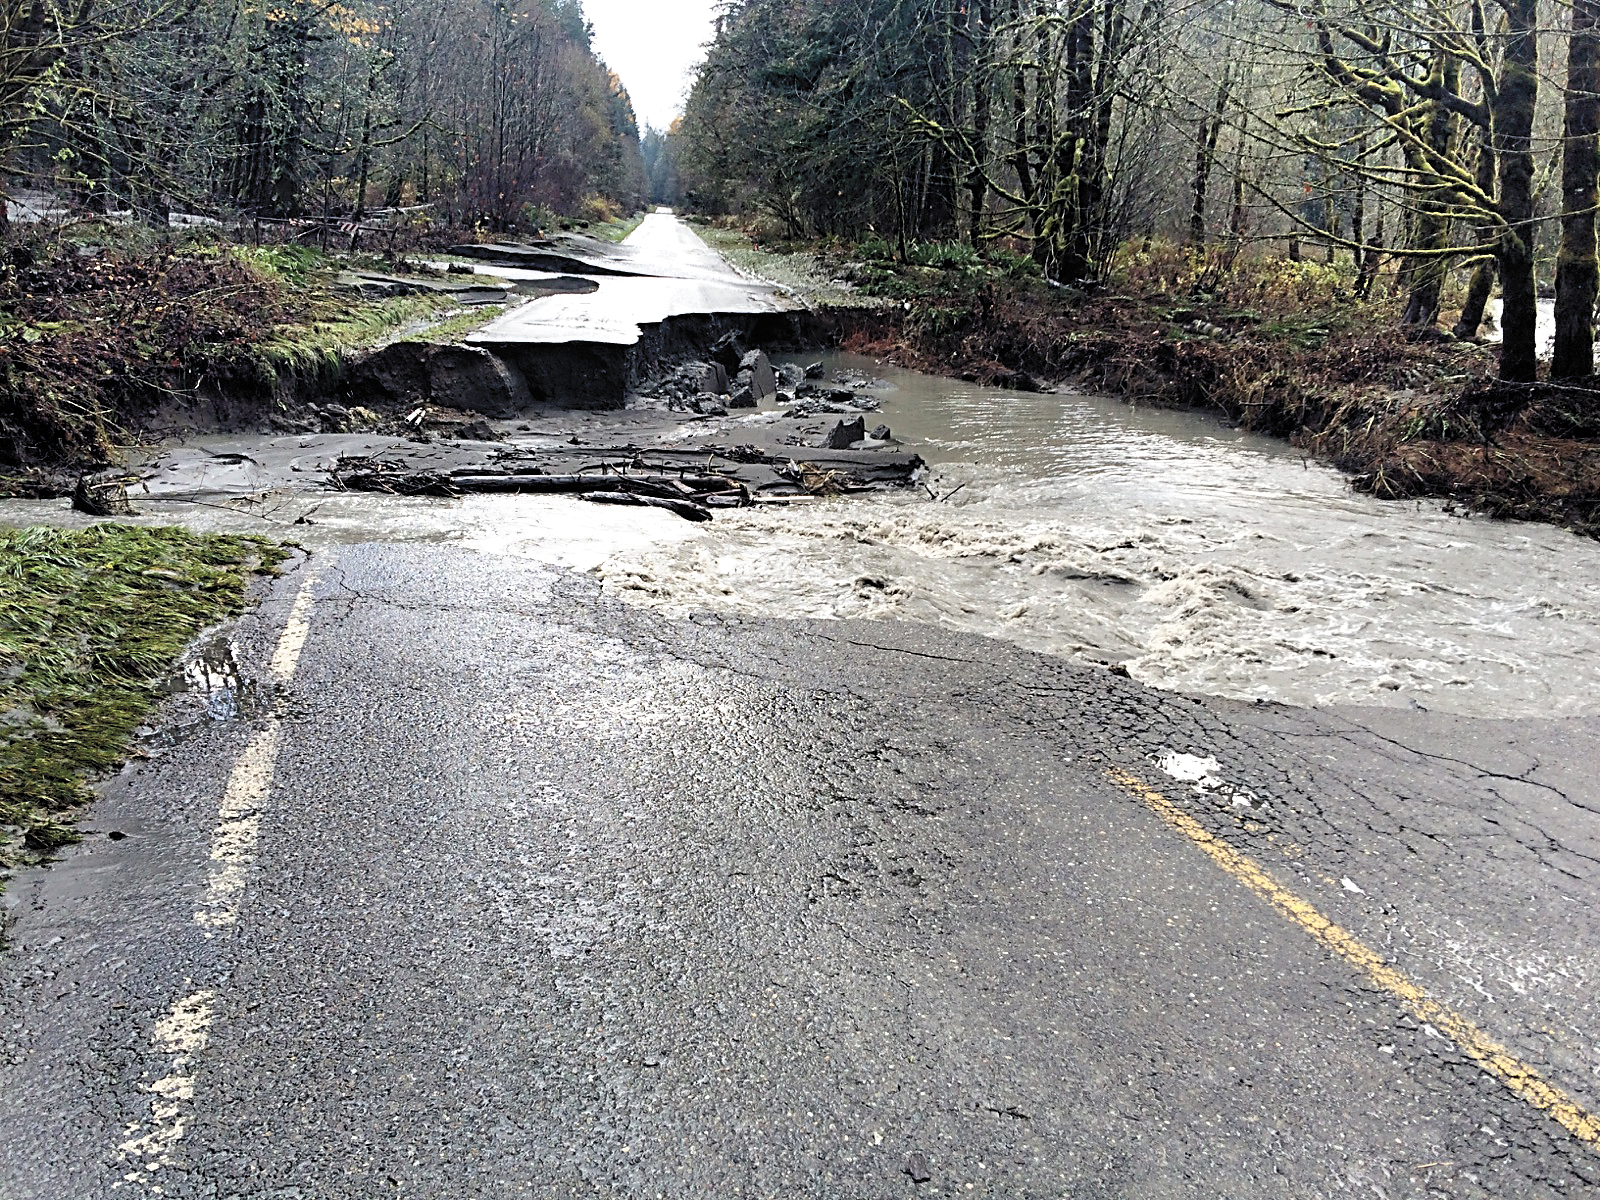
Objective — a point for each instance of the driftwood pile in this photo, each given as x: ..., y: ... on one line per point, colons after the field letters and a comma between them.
x: 689, y: 482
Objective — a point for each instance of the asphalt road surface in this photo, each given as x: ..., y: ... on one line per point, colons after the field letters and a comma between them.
x: 498, y: 889
x: 671, y: 273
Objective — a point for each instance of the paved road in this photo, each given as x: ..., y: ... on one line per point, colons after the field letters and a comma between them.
x: 676, y: 275
x: 504, y: 890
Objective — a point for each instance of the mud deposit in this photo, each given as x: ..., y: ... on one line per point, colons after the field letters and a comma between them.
x: 1199, y: 558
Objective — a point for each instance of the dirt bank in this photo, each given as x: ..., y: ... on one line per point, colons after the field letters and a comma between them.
x: 103, y: 347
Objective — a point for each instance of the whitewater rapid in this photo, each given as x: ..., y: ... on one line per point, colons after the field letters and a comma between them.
x: 1199, y: 558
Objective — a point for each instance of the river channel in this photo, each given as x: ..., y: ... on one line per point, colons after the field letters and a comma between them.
x: 1196, y: 557
x: 1200, y: 558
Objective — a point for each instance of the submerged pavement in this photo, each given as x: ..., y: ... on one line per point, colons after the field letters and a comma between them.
x: 661, y: 270
x: 508, y: 890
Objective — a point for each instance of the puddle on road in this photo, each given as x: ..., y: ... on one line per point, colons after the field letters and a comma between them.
x: 208, y: 686
x: 211, y: 670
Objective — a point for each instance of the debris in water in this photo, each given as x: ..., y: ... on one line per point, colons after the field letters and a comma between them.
x: 104, y: 494
x: 686, y: 509
x: 706, y: 476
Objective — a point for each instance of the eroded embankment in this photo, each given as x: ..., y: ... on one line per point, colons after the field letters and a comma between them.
x: 1404, y: 418
x: 106, y: 346
x: 109, y: 350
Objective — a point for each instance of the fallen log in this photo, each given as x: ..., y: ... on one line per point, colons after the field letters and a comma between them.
x: 686, y: 509
x: 711, y: 477
x: 728, y: 492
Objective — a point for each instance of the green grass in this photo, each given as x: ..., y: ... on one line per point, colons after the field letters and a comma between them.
x: 615, y: 231
x: 89, y: 621
x: 294, y: 265
x: 338, y: 324
x: 453, y: 329
x: 800, y: 272
x: 331, y: 322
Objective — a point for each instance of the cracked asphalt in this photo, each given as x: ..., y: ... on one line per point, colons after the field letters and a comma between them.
x: 556, y: 897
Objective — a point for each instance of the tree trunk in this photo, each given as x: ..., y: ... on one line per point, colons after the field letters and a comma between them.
x: 1238, y: 217
x: 978, y: 180
x: 364, y: 154
x: 1432, y: 229
x: 1513, y: 139
x: 1078, y: 156
x: 1577, y: 266
x: 1372, y: 255
x: 1358, y: 213
x: 1481, y: 286
x: 1205, y: 156
x: 1479, y: 289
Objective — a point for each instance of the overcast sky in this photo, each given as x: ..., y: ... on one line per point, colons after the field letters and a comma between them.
x: 654, y: 45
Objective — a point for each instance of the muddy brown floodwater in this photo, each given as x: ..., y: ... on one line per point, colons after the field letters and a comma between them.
x: 1202, y: 558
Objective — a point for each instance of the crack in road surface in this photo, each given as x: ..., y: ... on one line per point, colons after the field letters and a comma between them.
x: 1521, y: 1079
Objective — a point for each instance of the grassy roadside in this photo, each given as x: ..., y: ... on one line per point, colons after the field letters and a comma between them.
x: 89, y: 621
x: 805, y: 273
x: 1280, y: 347
x: 615, y: 230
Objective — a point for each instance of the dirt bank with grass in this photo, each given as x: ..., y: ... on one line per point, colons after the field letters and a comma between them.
x: 1280, y: 347
x: 110, y: 344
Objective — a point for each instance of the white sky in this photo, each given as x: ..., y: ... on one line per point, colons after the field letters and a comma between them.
x: 654, y: 45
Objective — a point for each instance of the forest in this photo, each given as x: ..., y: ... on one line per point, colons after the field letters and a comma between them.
x: 1449, y: 144
x: 491, y: 113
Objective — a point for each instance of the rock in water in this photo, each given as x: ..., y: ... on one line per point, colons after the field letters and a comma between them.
x: 709, y: 377
x: 742, y: 398
x: 763, y: 382
x: 880, y: 433
x: 791, y: 375
x: 846, y: 434
x: 728, y: 351
x: 816, y: 371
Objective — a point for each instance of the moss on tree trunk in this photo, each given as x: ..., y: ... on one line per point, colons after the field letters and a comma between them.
x: 1513, y: 137
x: 1577, y: 270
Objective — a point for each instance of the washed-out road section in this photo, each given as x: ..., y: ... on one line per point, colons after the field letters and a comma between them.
x: 528, y: 893
x: 662, y: 270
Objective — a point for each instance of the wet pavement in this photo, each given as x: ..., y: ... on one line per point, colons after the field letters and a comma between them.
x: 661, y: 270
x: 520, y: 891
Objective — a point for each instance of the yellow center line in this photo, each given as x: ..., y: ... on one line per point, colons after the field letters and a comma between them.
x: 1521, y: 1078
